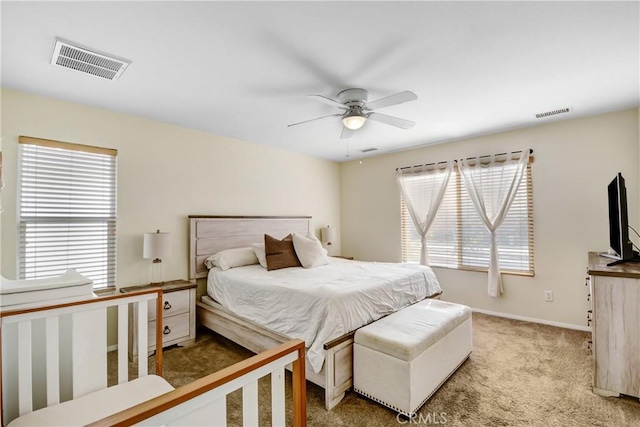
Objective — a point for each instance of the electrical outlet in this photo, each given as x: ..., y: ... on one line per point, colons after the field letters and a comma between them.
x: 548, y: 296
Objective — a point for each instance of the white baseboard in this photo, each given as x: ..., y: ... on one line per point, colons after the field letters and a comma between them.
x: 533, y: 320
x: 111, y: 348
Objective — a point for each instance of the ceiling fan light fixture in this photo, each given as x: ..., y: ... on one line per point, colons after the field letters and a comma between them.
x: 354, y: 120
x: 356, y: 110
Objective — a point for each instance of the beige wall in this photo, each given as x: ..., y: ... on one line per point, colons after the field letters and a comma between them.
x: 1, y: 199
x: 166, y: 173
x: 574, y: 162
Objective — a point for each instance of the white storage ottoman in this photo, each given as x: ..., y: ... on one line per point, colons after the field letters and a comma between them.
x: 402, y: 359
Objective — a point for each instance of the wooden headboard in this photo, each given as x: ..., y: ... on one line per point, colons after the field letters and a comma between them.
x: 211, y: 234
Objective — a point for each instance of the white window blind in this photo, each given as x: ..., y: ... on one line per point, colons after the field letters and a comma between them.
x: 459, y: 239
x: 67, y: 210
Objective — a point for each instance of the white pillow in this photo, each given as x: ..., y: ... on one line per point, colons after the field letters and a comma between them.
x: 309, y: 250
x: 258, y: 250
x: 230, y: 258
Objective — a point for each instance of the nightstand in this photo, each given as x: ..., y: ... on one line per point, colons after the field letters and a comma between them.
x: 178, y: 317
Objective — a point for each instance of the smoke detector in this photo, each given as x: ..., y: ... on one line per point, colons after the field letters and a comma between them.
x: 75, y: 57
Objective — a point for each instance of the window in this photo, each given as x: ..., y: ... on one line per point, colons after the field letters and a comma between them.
x: 459, y: 239
x: 67, y: 210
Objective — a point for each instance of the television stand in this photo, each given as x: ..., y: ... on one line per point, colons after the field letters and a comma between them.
x: 615, y: 301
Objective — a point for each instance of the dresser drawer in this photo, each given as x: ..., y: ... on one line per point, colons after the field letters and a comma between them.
x: 172, y: 303
x: 174, y: 327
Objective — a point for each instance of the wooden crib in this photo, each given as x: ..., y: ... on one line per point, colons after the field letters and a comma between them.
x: 54, y: 371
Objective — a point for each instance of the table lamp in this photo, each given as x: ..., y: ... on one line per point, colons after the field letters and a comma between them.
x: 156, y: 247
x: 328, y: 235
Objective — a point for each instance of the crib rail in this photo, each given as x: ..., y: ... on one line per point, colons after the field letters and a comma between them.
x: 204, y: 400
x: 81, y: 328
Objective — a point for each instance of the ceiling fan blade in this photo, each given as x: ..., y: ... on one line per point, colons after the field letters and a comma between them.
x: 312, y: 120
x: 346, y: 133
x: 390, y: 120
x: 329, y: 101
x: 387, y: 101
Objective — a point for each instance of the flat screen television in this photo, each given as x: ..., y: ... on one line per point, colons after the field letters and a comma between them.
x: 619, y: 223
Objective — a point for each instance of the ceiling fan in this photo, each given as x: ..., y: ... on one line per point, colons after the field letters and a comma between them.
x: 357, y: 109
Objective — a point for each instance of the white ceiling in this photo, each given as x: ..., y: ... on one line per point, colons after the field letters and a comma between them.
x: 243, y: 69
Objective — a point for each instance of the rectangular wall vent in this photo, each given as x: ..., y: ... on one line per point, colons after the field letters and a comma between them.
x: 552, y: 113
x: 368, y: 150
x: 87, y: 61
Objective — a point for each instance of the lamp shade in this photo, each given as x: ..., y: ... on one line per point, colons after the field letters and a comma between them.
x: 329, y: 235
x: 156, y: 245
x: 354, y: 122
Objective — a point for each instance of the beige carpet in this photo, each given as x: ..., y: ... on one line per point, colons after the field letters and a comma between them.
x: 520, y: 374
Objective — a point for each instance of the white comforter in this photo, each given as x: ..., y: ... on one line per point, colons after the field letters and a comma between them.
x: 322, y: 303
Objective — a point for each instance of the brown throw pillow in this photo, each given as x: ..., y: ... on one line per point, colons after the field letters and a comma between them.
x: 280, y: 253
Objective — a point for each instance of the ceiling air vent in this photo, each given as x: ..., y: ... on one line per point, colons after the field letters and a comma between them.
x: 87, y: 61
x: 368, y: 150
x: 552, y: 113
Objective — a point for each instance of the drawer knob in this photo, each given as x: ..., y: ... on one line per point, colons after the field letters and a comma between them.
x: 166, y: 330
x: 167, y: 306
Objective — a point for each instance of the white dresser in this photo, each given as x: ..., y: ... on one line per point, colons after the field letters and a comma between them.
x: 615, y: 320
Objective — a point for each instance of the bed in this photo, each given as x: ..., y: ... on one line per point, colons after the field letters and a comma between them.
x: 323, y: 306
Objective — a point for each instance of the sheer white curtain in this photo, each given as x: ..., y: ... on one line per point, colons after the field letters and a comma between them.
x: 423, y: 189
x: 492, y: 183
